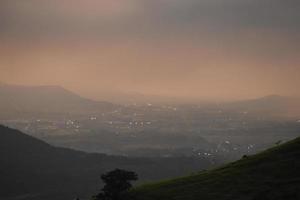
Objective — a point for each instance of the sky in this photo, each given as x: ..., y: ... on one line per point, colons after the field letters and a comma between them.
x: 200, y: 49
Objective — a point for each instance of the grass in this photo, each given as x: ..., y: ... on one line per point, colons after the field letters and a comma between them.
x: 273, y: 174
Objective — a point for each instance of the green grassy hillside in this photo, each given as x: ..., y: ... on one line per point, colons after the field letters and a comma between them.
x: 270, y: 175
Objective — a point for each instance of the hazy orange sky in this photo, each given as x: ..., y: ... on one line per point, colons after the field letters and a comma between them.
x: 209, y: 49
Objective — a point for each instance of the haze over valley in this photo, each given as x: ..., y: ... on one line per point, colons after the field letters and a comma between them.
x: 229, y: 129
x: 149, y: 100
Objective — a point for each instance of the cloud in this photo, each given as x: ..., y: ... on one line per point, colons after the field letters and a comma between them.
x: 146, y: 17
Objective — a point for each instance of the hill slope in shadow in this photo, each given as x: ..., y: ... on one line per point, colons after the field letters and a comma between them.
x: 31, y: 169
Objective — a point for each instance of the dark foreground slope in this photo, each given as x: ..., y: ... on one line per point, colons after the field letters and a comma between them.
x: 270, y: 175
x: 34, y: 170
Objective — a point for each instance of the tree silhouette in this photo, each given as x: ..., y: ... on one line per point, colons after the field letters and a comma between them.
x: 117, y: 185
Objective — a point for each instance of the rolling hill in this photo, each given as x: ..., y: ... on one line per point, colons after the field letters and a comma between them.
x: 271, y: 175
x: 271, y: 106
x: 31, y: 169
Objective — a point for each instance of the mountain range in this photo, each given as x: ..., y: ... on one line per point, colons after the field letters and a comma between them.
x: 19, y: 100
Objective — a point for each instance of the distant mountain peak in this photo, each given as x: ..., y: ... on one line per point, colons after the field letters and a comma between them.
x: 47, y: 99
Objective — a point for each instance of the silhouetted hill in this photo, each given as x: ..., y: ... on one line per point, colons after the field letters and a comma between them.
x: 271, y: 175
x: 46, y: 99
x: 33, y: 170
x: 273, y: 105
